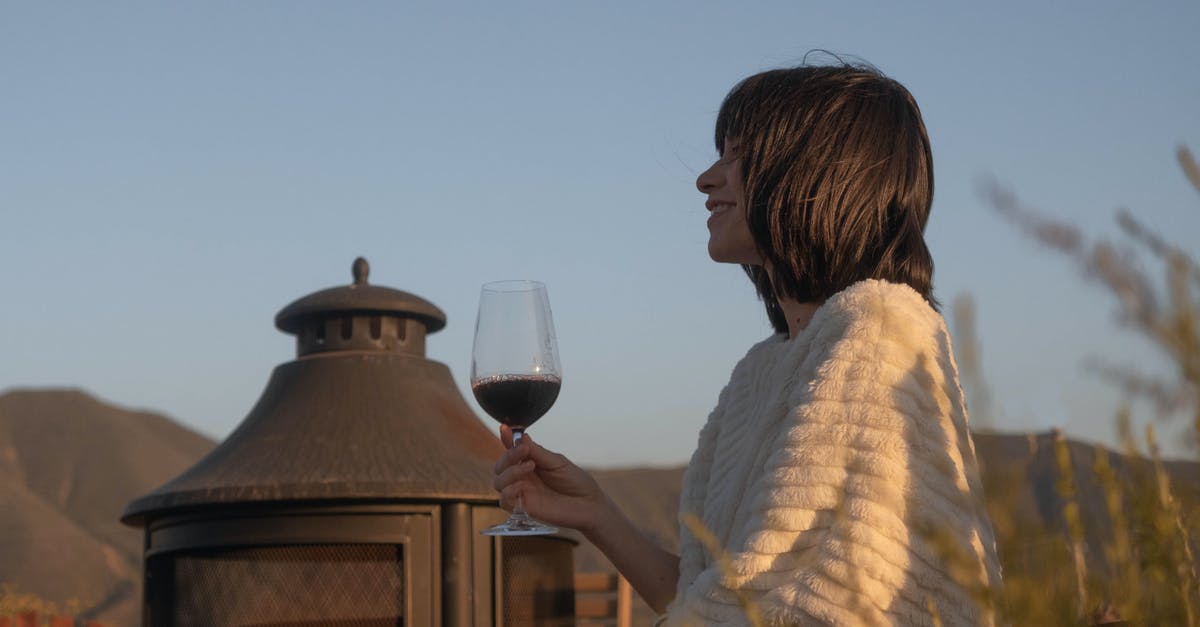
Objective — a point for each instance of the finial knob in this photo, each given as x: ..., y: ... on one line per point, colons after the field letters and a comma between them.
x: 360, y: 270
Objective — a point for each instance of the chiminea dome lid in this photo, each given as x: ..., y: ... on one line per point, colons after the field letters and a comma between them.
x: 360, y: 297
x: 373, y: 421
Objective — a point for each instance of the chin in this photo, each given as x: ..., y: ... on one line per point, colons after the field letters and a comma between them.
x: 718, y: 255
x: 724, y: 256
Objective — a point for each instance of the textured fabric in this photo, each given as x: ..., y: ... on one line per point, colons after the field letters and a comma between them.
x: 838, y: 476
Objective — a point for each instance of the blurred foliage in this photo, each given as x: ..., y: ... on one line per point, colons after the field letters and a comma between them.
x: 1139, y: 566
x: 1166, y: 312
x: 14, y: 602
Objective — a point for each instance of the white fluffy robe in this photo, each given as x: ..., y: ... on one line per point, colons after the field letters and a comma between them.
x: 838, y: 475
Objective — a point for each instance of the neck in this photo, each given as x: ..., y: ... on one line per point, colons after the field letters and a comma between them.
x: 798, y: 315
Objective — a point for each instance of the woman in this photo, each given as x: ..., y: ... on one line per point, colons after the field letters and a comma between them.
x: 836, y: 472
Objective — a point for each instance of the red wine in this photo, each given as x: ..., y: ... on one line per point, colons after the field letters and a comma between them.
x: 516, y: 400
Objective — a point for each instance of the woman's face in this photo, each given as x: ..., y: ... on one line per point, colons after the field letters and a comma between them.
x: 729, y: 238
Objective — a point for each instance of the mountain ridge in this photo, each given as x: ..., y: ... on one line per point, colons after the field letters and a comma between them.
x: 70, y: 463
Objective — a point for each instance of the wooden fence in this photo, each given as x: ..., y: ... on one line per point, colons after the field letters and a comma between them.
x: 602, y: 600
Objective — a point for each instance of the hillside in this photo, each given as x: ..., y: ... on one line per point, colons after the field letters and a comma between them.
x: 1021, y: 478
x: 650, y: 496
x: 69, y: 464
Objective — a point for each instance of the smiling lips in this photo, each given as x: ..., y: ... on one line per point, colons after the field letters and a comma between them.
x: 717, y: 209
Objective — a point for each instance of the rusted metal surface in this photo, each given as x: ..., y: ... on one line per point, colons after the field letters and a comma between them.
x: 356, y: 426
x: 375, y: 422
x: 360, y: 297
x: 457, y: 565
x: 342, y: 562
x: 360, y: 451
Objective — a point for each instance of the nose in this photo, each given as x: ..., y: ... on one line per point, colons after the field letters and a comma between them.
x: 710, y: 179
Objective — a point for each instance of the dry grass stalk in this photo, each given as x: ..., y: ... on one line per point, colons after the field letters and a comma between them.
x: 969, y: 354
x: 1119, y: 552
x: 1151, y: 573
x: 1074, y: 527
x: 1185, y: 565
x: 934, y: 616
x: 1188, y: 165
x: 713, y: 546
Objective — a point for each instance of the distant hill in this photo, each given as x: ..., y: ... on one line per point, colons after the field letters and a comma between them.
x: 69, y: 464
x: 1021, y: 479
x: 650, y: 496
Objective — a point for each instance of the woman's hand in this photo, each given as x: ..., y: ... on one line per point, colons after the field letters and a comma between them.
x: 553, y: 489
x: 558, y: 492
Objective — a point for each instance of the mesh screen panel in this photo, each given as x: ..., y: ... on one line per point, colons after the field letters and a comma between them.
x: 352, y: 585
x: 539, y: 582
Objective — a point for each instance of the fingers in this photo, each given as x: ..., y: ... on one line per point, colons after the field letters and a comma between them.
x: 513, y: 474
x: 510, y: 496
x: 543, y: 457
x: 511, y: 456
x: 506, y: 436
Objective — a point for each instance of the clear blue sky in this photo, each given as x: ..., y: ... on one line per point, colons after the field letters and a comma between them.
x: 172, y: 174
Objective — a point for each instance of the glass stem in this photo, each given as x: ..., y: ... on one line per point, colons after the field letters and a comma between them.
x: 519, y: 509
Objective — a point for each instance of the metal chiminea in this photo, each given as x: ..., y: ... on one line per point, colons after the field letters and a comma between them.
x: 352, y: 494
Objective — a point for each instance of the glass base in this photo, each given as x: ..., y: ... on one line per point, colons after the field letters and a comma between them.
x: 520, y: 524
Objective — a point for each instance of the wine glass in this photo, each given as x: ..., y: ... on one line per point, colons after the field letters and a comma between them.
x: 515, y: 374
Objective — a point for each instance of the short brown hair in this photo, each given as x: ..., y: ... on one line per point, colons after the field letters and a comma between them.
x: 838, y: 180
